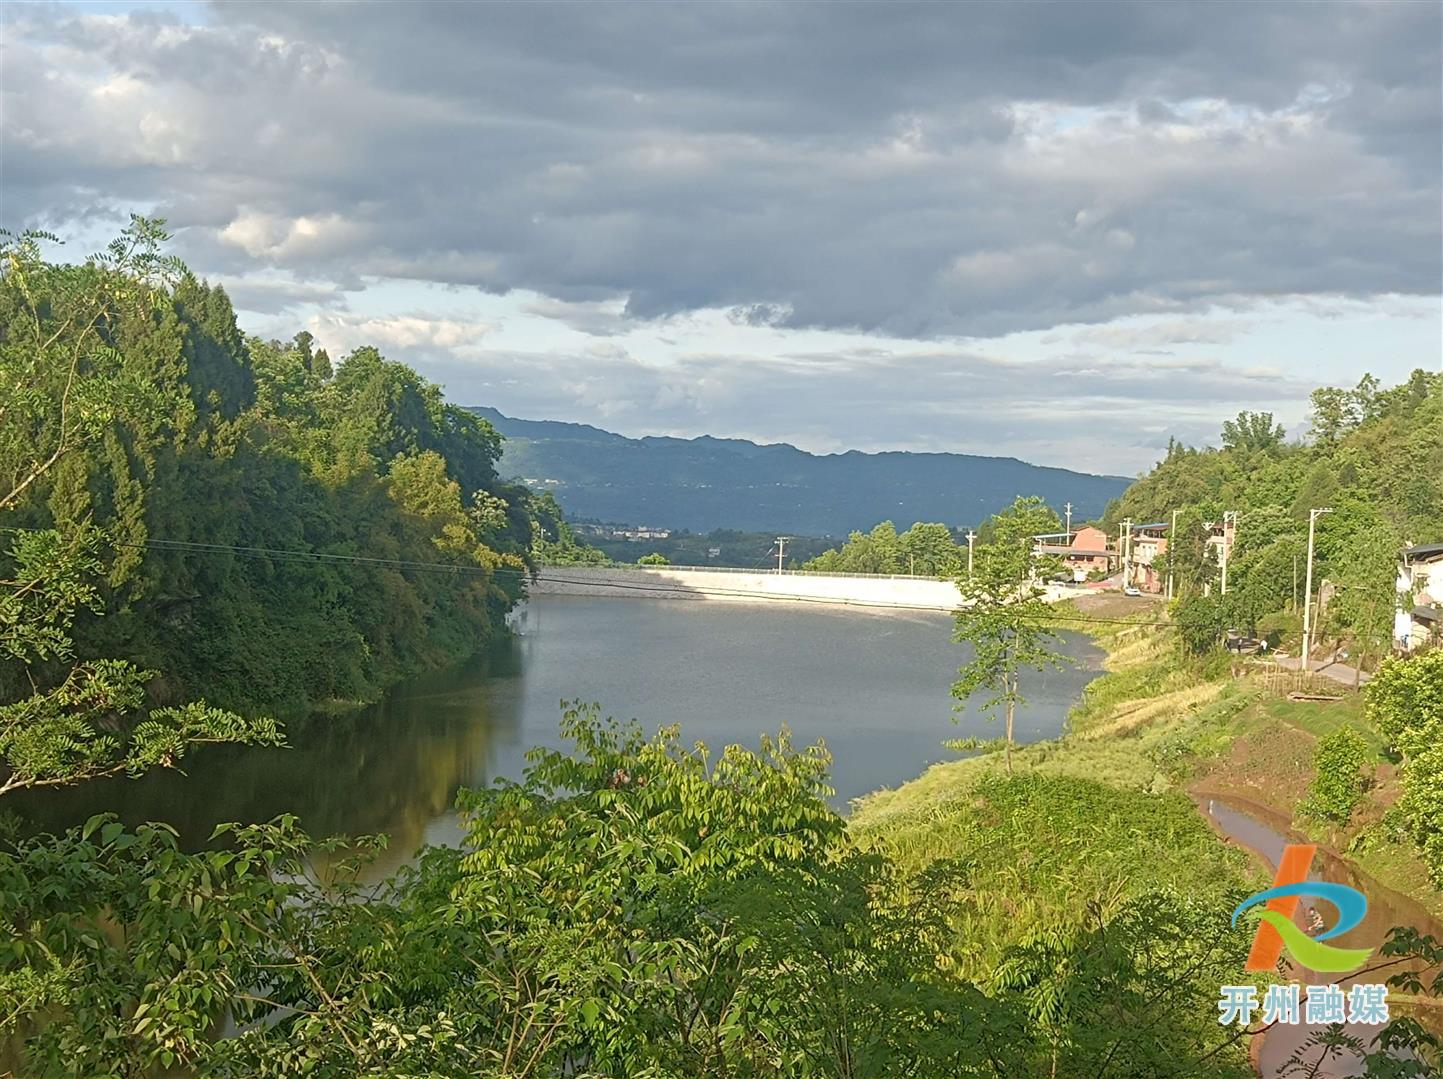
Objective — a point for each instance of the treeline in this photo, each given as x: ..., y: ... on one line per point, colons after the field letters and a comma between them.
x: 734, y: 548
x: 193, y: 463
x: 925, y: 550
x: 1373, y: 457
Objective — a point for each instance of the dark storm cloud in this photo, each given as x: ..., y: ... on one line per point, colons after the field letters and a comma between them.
x: 914, y: 169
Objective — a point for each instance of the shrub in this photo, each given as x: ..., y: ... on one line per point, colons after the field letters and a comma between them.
x: 1201, y: 623
x: 1339, y: 780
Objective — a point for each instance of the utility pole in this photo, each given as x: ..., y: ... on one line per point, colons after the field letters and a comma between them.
x: 970, y: 537
x: 1069, y: 524
x: 1127, y: 553
x: 781, y: 550
x: 1171, y: 552
x: 1230, y: 525
x: 1313, y: 516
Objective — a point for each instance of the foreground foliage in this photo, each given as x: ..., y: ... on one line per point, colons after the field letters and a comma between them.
x: 630, y: 908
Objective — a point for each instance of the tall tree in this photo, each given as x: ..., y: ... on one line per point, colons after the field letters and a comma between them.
x: 1003, y: 616
x: 63, y: 384
x: 1252, y: 432
x: 1333, y: 415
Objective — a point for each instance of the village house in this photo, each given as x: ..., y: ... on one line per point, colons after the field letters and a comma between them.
x: 1149, y: 542
x: 1083, y: 551
x: 1220, y: 537
x: 1418, y: 622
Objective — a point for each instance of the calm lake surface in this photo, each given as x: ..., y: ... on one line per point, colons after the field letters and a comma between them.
x: 875, y: 685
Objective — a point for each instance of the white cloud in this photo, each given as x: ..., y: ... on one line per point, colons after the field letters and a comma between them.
x: 342, y: 332
x: 276, y: 238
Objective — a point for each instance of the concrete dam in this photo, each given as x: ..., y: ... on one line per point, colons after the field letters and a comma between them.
x: 718, y: 583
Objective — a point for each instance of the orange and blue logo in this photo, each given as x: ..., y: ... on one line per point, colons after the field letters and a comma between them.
x: 1277, y: 931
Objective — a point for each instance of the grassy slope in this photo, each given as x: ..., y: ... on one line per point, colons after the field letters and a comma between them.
x: 1109, y: 805
x: 1088, y: 819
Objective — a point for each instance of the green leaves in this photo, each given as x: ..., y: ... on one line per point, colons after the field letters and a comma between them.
x: 1003, y: 617
x: 1404, y: 701
x: 632, y: 906
x: 1339, y: 779
x: 924, y: 550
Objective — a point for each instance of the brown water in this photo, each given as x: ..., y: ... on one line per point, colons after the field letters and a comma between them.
x: 1266, y: 833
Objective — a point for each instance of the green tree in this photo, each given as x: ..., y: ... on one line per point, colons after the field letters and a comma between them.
x: 553, y: 541
x: 653, y: 559
x: 1404, y: 701
x: 877, y: 551
x: 1003, y: 616
x: 261, y: 534
x: 64, y: 719
x: 1364, y: 569
x: 1188, y: 558
x: 1338, y: 779
x: 1334, y: 415
x: 1201, y: 623
x: 930, y: 551
x: 1252, y: 432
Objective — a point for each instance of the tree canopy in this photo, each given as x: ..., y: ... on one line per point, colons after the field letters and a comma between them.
x: 269, y: 530
x: 1373, y: 455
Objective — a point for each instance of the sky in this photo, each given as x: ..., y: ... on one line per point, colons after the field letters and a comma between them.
x: 1062, y: 232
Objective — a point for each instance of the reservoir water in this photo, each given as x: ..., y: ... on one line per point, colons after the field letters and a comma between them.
x: 875, y: 685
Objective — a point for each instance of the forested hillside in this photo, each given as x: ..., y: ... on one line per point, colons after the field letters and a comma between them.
x: 707, y: 483
x: 187, y: 464
x: 1373, y: 456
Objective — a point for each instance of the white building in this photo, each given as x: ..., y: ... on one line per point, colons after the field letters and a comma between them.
x: 1419, y: 618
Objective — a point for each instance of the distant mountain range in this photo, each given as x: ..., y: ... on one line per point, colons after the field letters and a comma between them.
x: 706, y: 483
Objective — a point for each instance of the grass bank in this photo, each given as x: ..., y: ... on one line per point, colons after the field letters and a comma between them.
x: 1112, y: 796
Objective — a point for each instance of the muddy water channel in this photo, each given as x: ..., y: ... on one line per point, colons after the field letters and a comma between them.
x: 1266, y: 833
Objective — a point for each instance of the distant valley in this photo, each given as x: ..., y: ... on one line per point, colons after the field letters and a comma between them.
x: 706, y: 483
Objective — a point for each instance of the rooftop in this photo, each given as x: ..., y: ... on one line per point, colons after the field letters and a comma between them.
x: 1052, y: 548
x: 1424, y: 551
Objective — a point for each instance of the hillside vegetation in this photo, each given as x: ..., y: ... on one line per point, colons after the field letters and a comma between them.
x: 264, y: 529
x: 1373, y: 456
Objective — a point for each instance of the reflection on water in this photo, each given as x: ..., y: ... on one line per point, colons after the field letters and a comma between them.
x: 875, y: 685
x: 394, y: 767
x: 1266, y: 832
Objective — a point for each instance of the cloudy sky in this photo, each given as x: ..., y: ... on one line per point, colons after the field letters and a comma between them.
x: 1061, y: 232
